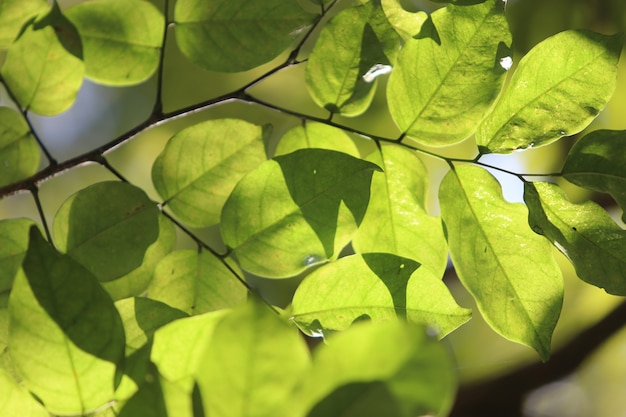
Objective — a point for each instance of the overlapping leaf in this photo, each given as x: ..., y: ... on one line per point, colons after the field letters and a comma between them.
x: 316, y: 135
x: 348, y: 47
x: 201, y: 164
x: 406, y: 24
x: 448, y: 75
x: 43, y: 67
x: 13, y: 246
x: 585, y: 233
x: 14, y: 14
x: 296, y: 210
x: 376, y: 286
x: 237, y: 35
x: 57, y: 307
x: 107, y: 220
x: 196, y: 283
x: 598, y: 162
x: 396, y: 221
x: 121, y: 39
x: 19, y: 153
x: 559, y: 87
x: 506, y: 267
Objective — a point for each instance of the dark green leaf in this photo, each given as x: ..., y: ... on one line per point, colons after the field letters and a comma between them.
x: 121, y: 39
x: 13, y: 246
x: 14, y: 14
x: 148, y: 401
x: 43, y: 67
x: 58, y: 307
x: 19, y: 153
x: 196, y: 283
x: 506, y: 267
x: 311, y: 201
x: 237, y: 35
x: 107, y: 220
x: 316, y: 135
x: 378, y: 287
x: 585, y: 233
x: 448, y: 76
x: 559, y: 87
x: 201, y: 165
x: 598, y: 162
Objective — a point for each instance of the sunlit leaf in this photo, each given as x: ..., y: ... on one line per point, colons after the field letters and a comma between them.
x: 559, y: 87
x: 237, y: 35
x: 316, y: 135
x: 105, y: 221
x: 296, y: 210
x: 121, y: 39
x: 57, y: 307
x: 19, y: 153
x: 507, y: 268
x: 196, y: 283
x: 252, y: 364
x: 14, y: 14
x: 378, y: 287
x: 585, y: 233
x: 148, y: 401
x: 448, y: 76
x: 16, y: 401
x: 43, y: 67
x: 406, y: 23
x: 345, y: 51
x: 201, y: 164
x: 13, y: 246
x: 413, y: 374
x: 396, y: 221
x: 597, y: 162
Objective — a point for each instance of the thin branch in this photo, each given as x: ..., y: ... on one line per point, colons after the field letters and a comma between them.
x: 158, y: 102
x: 35, y: 193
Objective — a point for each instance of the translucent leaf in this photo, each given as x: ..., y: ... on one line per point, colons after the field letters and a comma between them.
x: 252, y: 364
x: 506, y: 267
x: 43, y: 67
x: 597, y: 162
x: 201, y: 164
x: 57, y: 307
x: 136, y: 282
x: 344, y: 52
x: 447, y: 77
x: 148, y: 400
x: 121, y: 39
x: 14, y: 14
x: 413, y: 374
x: 19, y: 153
x: 585, y: 233
x: 378, y: 287
x: 237, y: 35
x: 107, y: 220
x: 196, y: 283
x: 316, y: 135
x: 406, y: 23
x: 396, y: 221
x: 559, y: 87
x: 13, y: 246
x: 315, y: 199
x: 16, y: 401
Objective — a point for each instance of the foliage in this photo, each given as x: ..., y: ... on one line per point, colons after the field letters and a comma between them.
x: 103, y: 314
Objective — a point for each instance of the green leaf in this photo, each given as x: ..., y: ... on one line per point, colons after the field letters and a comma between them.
x: 585, y: 233
x: 136, y: 282
x: 16, y: 401
x: 66, y: 337
x: 252, y: 364
x: 196, y: 283
x: 201, y: 165
x: 506, y: 267
x: 237, y: 35
x: 448, y: 76
x: 405, y: 23
x: 377, y: 287
x: 148, y: 400
x: 345, y: 51
x: 43, y: 67
x: 396, y: 221
x: 296, y: 211
x: 559, y: 87
x: 316, y: 135
x: 13, y: 246
x: 19, y: 153
x: 121, y: 39
x: 14, y: 14
x: 396, y: 363
x: 107, y: 220
x: 597, y: 162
